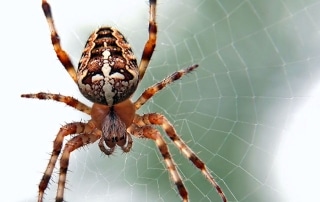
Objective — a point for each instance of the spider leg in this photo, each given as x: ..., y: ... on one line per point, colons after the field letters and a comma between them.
x: 146, y: 131
x: 61, y: 98
x: 151, y: 43
x: 55, y: 39
x: 151, y: 91
x: 89, y: 135
x: 159, y: 119
x: 68, y: 129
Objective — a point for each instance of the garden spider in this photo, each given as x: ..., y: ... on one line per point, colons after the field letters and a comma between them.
x: 108, y: 75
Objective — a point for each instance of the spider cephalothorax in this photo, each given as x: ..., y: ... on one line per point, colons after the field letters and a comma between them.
x: 108, y: 75
x: 113, y: 122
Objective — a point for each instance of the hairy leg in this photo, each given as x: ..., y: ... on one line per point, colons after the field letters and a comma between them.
x: 146, y: 131
x: 55, y: 39
x: 88, y: 136
x: 159, y: 119
x: 151, y: 43
x: 61, y: 98
x: 68, y: 129
x: 151, y: 91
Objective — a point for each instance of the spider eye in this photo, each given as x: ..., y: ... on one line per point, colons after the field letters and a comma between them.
x: 107, y: 72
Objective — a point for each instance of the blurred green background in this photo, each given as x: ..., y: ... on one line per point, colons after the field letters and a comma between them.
x: 259, y: 65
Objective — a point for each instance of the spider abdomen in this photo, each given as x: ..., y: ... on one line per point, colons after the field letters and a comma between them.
x: 107, y: 72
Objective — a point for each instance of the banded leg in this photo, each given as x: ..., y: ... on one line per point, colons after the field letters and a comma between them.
x: 55, y: 39
x: 146, y: 131
x: 61, y: 98
x: 151, y: 43
x: 68, y: 129
x: 151, y: 91
x: 159, y: 119
x: 87, y: 137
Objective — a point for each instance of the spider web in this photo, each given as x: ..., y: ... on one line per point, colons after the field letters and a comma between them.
x: 245, y: 111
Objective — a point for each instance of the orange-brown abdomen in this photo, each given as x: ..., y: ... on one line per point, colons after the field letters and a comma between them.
x: 107, y: 72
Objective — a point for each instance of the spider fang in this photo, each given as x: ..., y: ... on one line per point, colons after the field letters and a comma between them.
x: 114, y: 132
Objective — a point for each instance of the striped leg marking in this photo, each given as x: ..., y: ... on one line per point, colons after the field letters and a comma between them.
x: 68, y: 129
x: 70, y: 101
x: 55, y: 39
x: 151, y: 43
x: 151, y: 91
x: 147, y: 131
x: 159, y: 119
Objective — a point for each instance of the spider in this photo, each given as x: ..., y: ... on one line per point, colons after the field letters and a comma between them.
x: 108, y: 75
